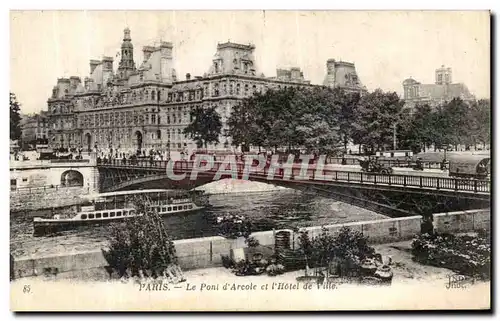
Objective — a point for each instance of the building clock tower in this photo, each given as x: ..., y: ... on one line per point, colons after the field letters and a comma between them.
x: 127, y: 64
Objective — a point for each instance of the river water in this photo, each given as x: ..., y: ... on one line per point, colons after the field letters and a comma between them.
x: 270, y: 209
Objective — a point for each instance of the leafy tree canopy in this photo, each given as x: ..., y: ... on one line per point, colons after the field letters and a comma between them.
x: 15, y: 118
x: 205, y: 127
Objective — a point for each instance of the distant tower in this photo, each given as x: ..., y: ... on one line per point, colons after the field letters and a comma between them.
x: 127, y: 64
x: 443, y: 76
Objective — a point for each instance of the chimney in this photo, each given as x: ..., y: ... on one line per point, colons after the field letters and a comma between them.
x: 166, y: 44
x: 86, y: 83
x: 93, y: 65
x: 107, y: 63
x: 74, y: 81
x: 147, y: 51
x: 188, y: 76
x: 295, y: 73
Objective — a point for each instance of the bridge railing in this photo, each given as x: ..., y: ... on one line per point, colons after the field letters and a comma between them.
x: 349, y: 161
x: 57, y: 161
x: 328, y: 175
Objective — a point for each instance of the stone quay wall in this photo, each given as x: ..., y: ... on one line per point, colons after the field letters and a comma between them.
x: 472, y: 220
x: 33, y: 199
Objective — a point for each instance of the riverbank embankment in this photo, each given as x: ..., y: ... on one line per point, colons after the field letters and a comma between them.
x: 207, y: 252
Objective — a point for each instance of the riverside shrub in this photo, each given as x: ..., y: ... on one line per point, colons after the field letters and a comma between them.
x: 464, y: 254
x: 140, y: 244
x: 348, y: 248
x: 234, y: 226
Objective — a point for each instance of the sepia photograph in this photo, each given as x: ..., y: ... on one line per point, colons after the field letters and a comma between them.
x: 257, y: 160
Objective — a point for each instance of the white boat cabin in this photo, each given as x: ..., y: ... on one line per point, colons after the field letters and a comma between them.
x: 121, y: 204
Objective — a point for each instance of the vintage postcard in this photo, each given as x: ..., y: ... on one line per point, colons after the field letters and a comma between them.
x: 250, y: 160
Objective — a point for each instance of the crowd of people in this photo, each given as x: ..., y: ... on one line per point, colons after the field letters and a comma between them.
x: 105, y: 157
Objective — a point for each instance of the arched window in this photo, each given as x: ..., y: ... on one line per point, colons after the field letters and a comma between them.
x: 216, y: 89
x: 159, y: 95
x: 237, y: 89
x: 158, y: 134
x: 153, y: 95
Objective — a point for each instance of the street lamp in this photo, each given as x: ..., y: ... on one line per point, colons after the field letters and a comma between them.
x: 394, y: 136
x: 168, y: 149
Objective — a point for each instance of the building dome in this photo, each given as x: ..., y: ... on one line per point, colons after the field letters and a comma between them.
x: 409, y: 81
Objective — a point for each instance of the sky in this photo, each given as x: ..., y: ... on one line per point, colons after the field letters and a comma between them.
x: 386, y: 46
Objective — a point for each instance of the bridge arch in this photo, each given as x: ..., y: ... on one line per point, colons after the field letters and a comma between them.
x: 71, y: 178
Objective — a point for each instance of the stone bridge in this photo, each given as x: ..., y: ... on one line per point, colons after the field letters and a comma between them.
x: 393, y: 195
x: 26, y: 175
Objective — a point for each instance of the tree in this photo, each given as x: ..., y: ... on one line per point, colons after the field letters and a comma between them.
x: 377, y: 113
x: 480, y: 121
x: 243, y: 124
x: 206, y: 126
x: 318, y: 116
x: 348, y: 110
x: 417, y: 130
x: 277, y: 117
x: 455, y: 118
x: 292, y: 118
x: 268, y: 120
x: 141, y: 245
x: 15, y: 118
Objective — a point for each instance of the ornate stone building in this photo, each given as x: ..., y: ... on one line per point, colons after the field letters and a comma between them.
x: 148, y: 107
x: 434, y: 94
x: 342, y: 74
x: 34, y: 128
